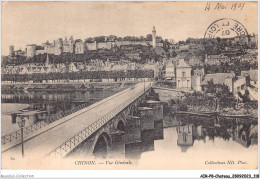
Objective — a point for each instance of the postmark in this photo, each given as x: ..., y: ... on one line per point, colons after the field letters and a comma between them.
x: 225, y: 28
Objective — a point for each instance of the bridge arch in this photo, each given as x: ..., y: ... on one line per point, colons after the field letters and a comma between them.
x: 102, y: 145
x: 120, y: 126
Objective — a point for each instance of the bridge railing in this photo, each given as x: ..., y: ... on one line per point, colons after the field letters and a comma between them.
x: 16, y: 135
x: 70, y: 144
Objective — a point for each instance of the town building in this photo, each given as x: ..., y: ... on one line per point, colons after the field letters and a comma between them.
x: 195, y: 62
x: 216, y: 59
x: 249, y: 57
x: 73, y: 67
x: 253, y: 83
x: 170, y: 71
x: 197, y: 78
x: 219, y: 78
x: 183, y: 75
x: 133, y: 55
x: 253, y: 74
x: 241, y: 84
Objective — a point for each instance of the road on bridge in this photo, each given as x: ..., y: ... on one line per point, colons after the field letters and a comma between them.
x: 60, y: 131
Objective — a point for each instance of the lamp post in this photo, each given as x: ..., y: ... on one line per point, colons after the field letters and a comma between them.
x: 21, y: 124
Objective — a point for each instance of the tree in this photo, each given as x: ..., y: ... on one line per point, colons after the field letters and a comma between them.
x: 89, y: 40
x: 127, y: 38
x: 112, y: 38
x: 159, y: 39
x: 141, y: 38
x: 119, y: 39
x: 222, y: 94
x: 149, y: 37
x: 100, y: 39
x: 174, y: 54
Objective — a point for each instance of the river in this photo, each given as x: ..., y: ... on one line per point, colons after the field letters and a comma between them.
x: 51, y: 102
x: 196, y: 143
x: 175, y: 142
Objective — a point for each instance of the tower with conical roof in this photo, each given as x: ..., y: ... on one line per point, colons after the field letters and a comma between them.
x: 154, y: 37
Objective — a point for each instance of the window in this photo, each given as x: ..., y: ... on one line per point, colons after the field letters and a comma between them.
x: 183, y: 74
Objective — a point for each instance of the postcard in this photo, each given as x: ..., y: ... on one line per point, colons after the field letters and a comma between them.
x: 129, y: 85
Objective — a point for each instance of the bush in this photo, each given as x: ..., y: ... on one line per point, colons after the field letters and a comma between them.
x: 183, y: 107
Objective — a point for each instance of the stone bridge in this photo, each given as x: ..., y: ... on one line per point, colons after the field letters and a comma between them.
x: 99, y: 130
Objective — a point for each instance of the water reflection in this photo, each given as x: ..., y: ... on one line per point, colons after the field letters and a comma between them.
x: 54, y: 96
x: 37, y: 106
x: 146, y: 142
x: 243, y: 131
x: 205, y: 130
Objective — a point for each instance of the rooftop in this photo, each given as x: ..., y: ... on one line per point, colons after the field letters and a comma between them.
x: 218, y: 78
x: 182, y: 64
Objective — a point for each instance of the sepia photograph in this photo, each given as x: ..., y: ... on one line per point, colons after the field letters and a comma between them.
x: 129, y: 85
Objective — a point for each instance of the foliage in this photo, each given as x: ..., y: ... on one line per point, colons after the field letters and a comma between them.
x: 244, y: 97
x: 200, y: 100
x: 222, y: 93
x: 174, y: 54
x: 235, y: 66
x: 39, y: 77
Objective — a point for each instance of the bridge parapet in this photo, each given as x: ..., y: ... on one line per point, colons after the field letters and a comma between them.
x: 16, y: 135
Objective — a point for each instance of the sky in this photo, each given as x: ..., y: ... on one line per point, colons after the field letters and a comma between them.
x: 36, y: 22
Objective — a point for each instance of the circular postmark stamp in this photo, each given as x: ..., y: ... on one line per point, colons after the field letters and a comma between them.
x: 225, y: 28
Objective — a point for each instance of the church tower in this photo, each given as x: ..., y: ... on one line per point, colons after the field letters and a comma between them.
x: 154, y: 37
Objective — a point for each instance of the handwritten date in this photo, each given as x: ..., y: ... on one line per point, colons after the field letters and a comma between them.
x: 210, y: 6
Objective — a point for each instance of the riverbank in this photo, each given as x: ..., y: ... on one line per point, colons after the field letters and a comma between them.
x: 171, y: 96
x: 228, y: 112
